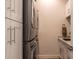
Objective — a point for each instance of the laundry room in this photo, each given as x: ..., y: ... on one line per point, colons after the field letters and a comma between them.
x: 52, y: 15
x: 38, y: 29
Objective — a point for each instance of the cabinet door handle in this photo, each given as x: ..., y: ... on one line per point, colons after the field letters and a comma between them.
x: 10, y: 35
x: 14, y: 35
x: 15, y: 28
x: 8, y: 29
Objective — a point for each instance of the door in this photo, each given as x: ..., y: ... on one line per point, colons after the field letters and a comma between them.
x: 14, y: 8
x: 7, y: 8
x: 8, y: 39
x: 18, y: 10
x: 18, y: 40
x: 16, y: 48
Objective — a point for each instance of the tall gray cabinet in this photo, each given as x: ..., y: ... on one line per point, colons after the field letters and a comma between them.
x: 13, y: 40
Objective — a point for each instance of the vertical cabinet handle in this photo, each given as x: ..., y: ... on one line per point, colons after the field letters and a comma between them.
x: 8, y: 29
x: 14, y: 40
x: 10, y: 35
x: 14, y: 35
x: 14, y: 29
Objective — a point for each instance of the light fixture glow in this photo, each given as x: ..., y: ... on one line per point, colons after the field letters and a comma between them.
x: 47, y: 3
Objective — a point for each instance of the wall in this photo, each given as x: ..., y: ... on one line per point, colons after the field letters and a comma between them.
x: 51, y: 18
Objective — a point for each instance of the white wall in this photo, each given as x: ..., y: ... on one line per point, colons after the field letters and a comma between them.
x: 51, y: 18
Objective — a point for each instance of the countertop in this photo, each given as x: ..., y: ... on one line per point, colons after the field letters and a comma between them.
x: 67, y: 43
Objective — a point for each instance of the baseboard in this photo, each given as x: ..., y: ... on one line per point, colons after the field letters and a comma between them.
x: 48, y: 56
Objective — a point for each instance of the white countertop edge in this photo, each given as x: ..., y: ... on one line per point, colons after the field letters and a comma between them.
x: 68, y: 43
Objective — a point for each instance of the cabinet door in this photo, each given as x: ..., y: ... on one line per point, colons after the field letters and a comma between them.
x: 7, y: 8
x: 18, y: 10
x: 68, y: 8
x: 65, y: 52
x: 13, y: 46
x: 16, y: 48
x: 18, y: 39
x: 61, y: 50
x: 69, y: 54
x: 8, y: 40
x: 12, y: 10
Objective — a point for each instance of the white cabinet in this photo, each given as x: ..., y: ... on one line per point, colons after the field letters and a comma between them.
x: 7, y: 7
x: 65, y: 52
x: 16, y: 48
x: 61, y: 48
x: 13, y: 40
x: 68, y: 8
x: 13, y: 29
x: 14, y: 8
x: 8, y: 40
x: 18, y: 10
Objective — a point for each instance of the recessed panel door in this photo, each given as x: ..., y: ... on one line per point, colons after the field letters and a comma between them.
x: 16, y: 48
x: 18, y: 10
x: 8, y: 40
x: 7, y: 8
x: 18, y: 40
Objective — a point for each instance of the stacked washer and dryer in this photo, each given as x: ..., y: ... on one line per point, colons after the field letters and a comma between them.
x: 30, y: 30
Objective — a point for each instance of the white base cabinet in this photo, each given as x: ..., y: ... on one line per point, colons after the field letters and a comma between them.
x: 13, y: 40
x: 8, y: 40
x: 13, y: 18
x: 65, y: 52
